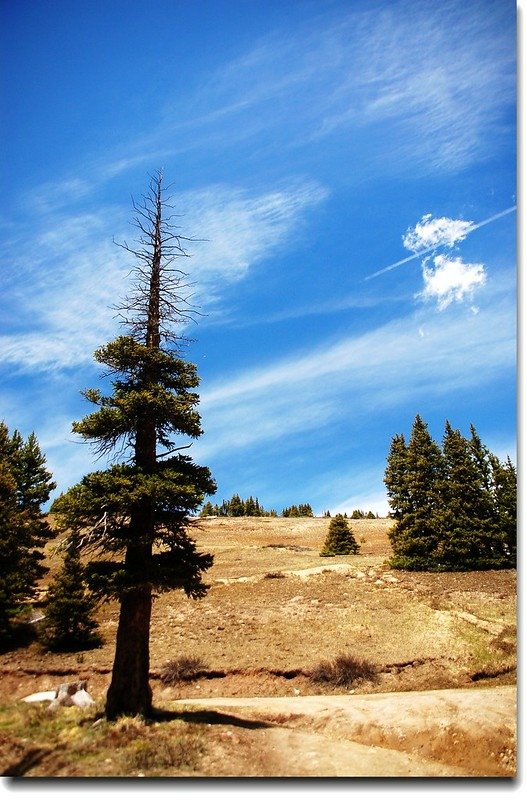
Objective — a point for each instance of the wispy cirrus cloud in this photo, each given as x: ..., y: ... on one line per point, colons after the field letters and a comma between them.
x: 62, y: 281
x: 243, y: 228
x: 435, y: 81
x: 360, y: 375
x: 353, y: 379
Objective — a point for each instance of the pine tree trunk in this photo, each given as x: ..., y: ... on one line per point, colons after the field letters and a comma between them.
x: 130, y: 693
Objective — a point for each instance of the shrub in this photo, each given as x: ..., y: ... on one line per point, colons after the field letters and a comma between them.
x: 183, y: 670
x: 343, y: 671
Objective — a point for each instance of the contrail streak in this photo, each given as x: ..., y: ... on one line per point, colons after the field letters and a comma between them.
x: 430, y: 249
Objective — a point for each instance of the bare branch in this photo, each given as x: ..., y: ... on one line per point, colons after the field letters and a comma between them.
x: 175, y: 450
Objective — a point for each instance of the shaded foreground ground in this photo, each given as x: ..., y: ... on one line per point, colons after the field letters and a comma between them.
x: 275, y: 610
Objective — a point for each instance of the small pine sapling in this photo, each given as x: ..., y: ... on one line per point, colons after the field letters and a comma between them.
x: 340, y: 540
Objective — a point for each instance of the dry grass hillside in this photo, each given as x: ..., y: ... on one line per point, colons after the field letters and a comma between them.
x: 277, y: 614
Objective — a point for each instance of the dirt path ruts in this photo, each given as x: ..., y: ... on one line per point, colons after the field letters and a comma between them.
x: 448, y: 732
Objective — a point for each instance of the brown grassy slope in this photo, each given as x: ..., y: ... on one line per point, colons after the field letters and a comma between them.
x: 276, y: 608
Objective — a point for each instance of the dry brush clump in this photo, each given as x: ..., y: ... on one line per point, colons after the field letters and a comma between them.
x: 343, y: 671
x: 183, y: 670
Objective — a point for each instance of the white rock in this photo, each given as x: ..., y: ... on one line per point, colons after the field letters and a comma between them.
x: 39, y: 697
x: 82, y: 698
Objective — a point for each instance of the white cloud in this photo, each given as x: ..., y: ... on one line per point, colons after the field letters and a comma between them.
x: 356, y: 379
x: 61, y: 284
x: 444, y: 236
x: 451, y: 279
x: 439, y: 77
x: 432, y: 232
x: 56, y: 194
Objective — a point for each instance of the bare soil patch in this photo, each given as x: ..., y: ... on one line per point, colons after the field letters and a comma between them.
x: 274, y: 611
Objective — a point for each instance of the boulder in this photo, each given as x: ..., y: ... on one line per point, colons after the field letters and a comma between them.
x: 72, y: 694
x: 67, y: 694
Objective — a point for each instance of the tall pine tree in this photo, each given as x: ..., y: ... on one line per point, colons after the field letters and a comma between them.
x: 137, y: 512
x: 413, y: 478
x: 25, y: 485
x: 468, y: 535
x: 395, y: 477
x: 504, y: 492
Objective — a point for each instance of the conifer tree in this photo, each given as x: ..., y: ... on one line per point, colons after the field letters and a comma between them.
x: 468, y: 537
x: 301, y: 510
x: 414, y: 478
x: 236, y: 506
x: 25, y: 484
x: 340, y: 540
x: 396, y: 478
x: 12, y: 584
x: 69, y: 616
x: 504, y: 488
x: 136, y: 512
x: 250, y: 509
x: 415, y: 497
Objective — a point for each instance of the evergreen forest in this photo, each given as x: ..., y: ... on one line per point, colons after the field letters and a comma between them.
x: 251, y: 507
x: 454, y: 503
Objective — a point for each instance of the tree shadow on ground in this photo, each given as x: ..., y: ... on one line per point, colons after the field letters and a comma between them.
x: 18, y: 636
x: 33, y: 756
x: 206, y: 717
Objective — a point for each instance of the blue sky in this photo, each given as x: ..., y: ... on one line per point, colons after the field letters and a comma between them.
x: 352, y: 168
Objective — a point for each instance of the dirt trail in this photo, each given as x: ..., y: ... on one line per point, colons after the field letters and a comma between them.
x: 452, y: 732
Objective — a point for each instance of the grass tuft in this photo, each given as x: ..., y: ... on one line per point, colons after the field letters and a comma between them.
x: 161, y: 751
